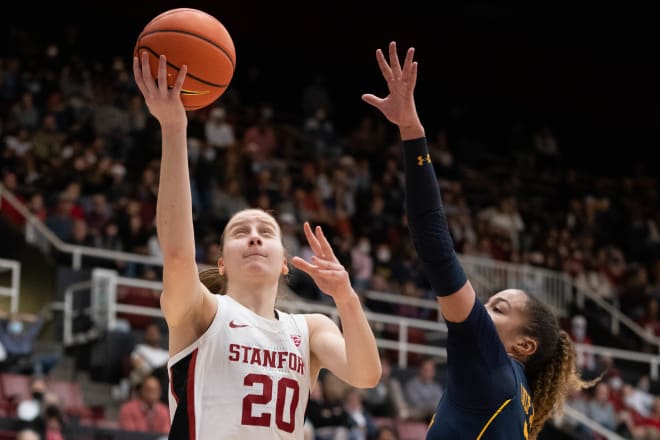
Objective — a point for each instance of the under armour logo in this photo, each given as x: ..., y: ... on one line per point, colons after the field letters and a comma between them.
x: 421, y: 159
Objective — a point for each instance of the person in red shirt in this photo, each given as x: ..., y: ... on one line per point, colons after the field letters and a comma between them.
x: 146, y: 412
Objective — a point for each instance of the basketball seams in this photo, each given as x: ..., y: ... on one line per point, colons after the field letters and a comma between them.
x: 179, y: 10
x: 175, y: 67
x: 192, y: 34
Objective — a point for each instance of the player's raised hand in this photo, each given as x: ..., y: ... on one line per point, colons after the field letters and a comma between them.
x: 399, y: 105
x: 164, y: 102
x: 326, y: 271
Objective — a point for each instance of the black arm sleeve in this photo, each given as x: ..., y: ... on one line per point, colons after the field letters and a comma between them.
x: 427, y: 222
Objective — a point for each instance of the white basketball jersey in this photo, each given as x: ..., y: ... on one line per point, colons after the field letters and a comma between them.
x: 246, y: 377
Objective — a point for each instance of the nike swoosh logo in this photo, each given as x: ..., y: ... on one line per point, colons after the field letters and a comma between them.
x: 232, y: 324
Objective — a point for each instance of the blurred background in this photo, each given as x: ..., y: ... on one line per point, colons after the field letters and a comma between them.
x: 542, y: 123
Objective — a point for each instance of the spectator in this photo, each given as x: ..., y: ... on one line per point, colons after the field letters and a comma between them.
x: 600, y: 408
x: 637, y: 399
x: 423, y: 391
x: 28, y: 434
x: 11, y: 184
x: 35, y: 411
x: 361, y: 422
x: 146, y: 412
x: 386, y: 433
x: 362, y: 264
x: 54, y: 422
x: 577, y: 400
x: 586, y: 361
x: 386, y: 399
x: 219, y: 132
x: 18, y: 332
x: 150, y: 359
x: 325, y: 411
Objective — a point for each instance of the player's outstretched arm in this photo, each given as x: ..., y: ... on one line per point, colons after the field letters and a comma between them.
x: 426, y: 218
x: 182, y: 298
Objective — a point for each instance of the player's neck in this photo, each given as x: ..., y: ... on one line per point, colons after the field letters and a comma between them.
x: 256, y: 297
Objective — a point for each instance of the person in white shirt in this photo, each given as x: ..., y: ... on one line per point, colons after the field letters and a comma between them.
x: 148, y: 356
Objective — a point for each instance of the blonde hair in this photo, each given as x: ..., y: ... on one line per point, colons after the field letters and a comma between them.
x: 552, y: 370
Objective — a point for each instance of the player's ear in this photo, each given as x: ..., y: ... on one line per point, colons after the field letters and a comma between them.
x: 526, y: 346
x: 285, y: 267
x: 221, y: 266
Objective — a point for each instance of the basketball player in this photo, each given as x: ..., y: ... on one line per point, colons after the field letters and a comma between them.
x: 509, y: 364
x: 239, y: 368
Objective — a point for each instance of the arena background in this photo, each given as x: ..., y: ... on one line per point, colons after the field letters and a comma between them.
x: 589, y: 71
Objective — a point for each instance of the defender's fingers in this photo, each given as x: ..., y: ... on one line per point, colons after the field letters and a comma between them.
x: 384, y: 67
x: 372, y: 99
x: 408, y: 63
x: 395, y: 65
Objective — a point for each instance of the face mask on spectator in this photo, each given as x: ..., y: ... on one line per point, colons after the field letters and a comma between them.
x: 383, y: 255
x: 364, y: 246
x: 579, y: 333
x: 15, y: 327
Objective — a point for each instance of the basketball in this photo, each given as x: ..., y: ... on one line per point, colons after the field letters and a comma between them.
x: 197, y: 39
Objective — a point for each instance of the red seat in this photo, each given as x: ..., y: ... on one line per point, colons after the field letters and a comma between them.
x: 411, y: 430
x: 71, y: 398
x: 13, y: 389
x: 384, y: 421
x: 14, y: 386
x: 7, y: 435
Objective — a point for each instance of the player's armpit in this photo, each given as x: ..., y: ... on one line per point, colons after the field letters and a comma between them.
x: 457, y: 306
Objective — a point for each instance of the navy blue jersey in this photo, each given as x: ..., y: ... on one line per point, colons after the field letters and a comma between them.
x: 487, y: 396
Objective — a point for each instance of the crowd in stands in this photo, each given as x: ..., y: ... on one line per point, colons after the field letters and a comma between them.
x: 80, y: 150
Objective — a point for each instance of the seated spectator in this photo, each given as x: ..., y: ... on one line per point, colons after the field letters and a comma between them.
x: 55, y: 425
x: 35, y: 411
x: 325, y: 411
x: 637, y: 400
x: 577, y: 400
x: 18, y: 332
x: 600, y: 408
x: 145, y: 412
x: 28, y: 434
x: 386, y: 433
x: 386, y: 399
x: 423, y: 392
x: 361, y: 422
x: 149, y: 358
x: 586, y: 361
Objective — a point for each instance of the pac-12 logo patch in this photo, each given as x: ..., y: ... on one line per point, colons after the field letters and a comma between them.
x: 296, y: 340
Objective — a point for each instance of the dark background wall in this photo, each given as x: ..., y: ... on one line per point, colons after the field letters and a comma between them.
x: 590, y: 72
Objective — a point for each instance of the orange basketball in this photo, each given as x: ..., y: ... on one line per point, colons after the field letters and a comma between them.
x: 198, y: 39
